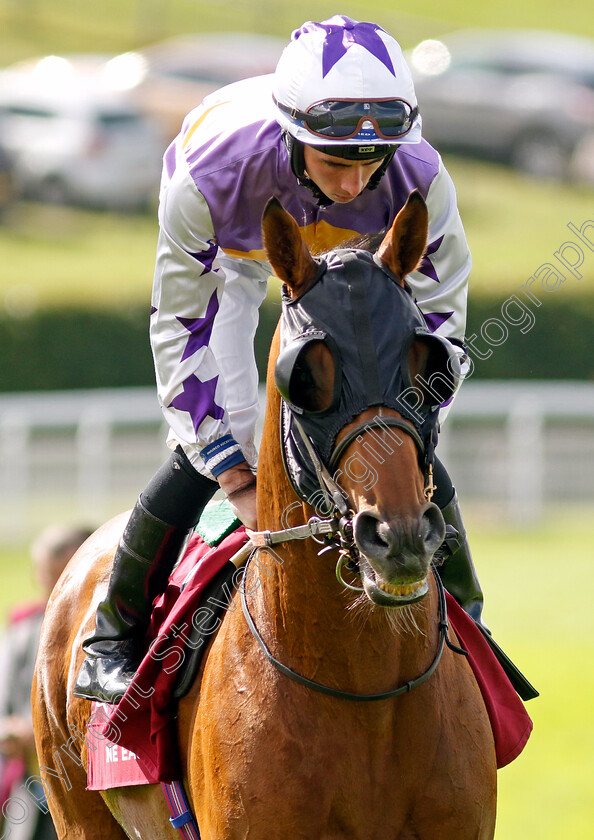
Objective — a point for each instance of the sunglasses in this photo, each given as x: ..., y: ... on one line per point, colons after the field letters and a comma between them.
x: 345, y: 118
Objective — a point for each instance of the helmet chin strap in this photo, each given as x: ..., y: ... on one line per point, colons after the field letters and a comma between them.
x: 295, y: 149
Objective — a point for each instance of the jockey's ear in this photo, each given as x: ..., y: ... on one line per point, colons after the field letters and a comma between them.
x: 404, y: 244
x: 287, y: 252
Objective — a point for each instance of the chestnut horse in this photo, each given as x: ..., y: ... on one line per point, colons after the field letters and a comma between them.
x: 389, y: 737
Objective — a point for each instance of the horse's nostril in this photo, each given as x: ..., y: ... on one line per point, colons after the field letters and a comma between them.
x: 432, y: 527
x: 373, y: 536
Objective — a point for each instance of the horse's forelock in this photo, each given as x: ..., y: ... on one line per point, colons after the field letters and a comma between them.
x: 365, y: 242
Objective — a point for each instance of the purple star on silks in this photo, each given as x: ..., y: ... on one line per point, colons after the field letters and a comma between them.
x: 200, y: 328
x: 427, y: 268
x: 207, y: 257
x: 197, y: 398
x: 342, y: 36
x: 434, y: 320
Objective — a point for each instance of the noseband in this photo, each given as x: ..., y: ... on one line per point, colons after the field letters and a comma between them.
x: 333, y: 494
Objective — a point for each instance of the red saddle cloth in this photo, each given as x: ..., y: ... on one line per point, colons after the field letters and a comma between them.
x: 135, y: 742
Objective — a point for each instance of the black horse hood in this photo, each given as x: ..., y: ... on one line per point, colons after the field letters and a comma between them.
x: 369, y: 322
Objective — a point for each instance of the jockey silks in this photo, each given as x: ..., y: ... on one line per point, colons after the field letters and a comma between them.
x: 211, y: 269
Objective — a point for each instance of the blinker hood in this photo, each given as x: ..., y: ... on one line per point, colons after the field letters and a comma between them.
x: 368, y: 323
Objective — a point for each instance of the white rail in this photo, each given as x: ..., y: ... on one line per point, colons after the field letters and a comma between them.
x: 85, y: 455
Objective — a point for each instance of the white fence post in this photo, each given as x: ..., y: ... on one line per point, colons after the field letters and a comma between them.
x: 15, y: 474
x: 93, y: 451
x: 525, y: 460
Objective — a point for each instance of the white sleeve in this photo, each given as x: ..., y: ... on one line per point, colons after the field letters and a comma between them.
x: 440, y: 285
x: 188, y: 291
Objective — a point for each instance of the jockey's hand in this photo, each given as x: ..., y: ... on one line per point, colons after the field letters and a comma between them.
x: 239, y: 485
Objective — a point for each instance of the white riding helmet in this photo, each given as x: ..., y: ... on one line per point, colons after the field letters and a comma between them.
x: 345, y: 82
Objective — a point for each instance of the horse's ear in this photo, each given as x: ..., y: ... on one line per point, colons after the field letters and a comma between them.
x: 287, y: 252
x: 404, y: 244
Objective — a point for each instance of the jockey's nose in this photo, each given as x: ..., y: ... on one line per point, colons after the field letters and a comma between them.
x: 354, y: 180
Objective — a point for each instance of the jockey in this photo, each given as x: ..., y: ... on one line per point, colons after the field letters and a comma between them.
x: 335, y: 135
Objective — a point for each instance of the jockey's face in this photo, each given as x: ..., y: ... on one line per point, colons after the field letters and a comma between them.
x: 341, y: 180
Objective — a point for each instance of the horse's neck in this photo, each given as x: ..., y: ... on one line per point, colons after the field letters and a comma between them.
x: 307, y: 618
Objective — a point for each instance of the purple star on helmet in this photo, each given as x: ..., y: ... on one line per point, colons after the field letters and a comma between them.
x: 427, y: 268
x: 207, y: 257
x: 197, y: 398
x: 434, y: 320
x: 343, y: 34
x: 200, y: 329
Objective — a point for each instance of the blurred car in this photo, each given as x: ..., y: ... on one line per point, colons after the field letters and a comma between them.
x: 522, y: 97
x: 73, y: 136
x: 176, y: 74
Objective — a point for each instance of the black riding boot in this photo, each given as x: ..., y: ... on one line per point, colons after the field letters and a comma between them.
x: 457, y: 569
x: 144, y: 559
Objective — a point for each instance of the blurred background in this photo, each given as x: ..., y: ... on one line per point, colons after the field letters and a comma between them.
x: 89, y: 98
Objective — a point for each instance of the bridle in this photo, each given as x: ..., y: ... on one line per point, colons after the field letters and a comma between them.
x: 338, y: 527
x: 379, y: 422
x: 379, y: 377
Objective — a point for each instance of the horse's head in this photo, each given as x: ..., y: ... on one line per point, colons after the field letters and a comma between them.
x: 362, y: 380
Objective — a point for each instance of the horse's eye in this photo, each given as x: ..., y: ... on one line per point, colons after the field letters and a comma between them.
x: 302, y: 378
x: 433, y: 370
x: 312, y: 380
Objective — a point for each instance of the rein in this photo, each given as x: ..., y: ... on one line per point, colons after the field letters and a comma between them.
x: 349, y: 695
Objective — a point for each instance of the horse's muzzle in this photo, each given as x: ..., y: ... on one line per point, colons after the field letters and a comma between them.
x: 395, y: 554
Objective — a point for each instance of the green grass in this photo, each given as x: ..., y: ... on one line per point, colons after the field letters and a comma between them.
x: 61, y: 255
x: 52, y: 256
x: 18, y: 585
x: 32, y: 27
x: 515, y: 223
x: 538, y: 583
x: 428, y: 18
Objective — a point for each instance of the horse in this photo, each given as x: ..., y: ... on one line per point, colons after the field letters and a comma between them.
x: 328, y: 706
